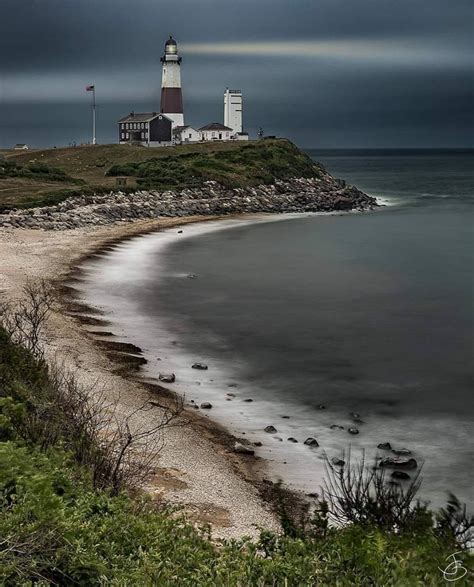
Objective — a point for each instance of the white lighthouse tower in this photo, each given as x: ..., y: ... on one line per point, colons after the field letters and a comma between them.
x: 171, y: 96
x: 233, y: 109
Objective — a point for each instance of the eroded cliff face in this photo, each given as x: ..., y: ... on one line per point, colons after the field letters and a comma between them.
x: 318, y: 194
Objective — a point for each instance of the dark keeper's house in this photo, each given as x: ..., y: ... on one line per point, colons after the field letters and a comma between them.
x: 150, y: 129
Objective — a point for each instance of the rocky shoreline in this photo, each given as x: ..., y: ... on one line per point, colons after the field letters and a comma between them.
x: 322, y: 194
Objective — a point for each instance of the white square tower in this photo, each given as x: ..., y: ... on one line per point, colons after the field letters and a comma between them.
x: 233, y: 110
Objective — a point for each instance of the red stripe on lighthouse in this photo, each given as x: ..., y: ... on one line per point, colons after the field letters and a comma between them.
x: 171, y: 100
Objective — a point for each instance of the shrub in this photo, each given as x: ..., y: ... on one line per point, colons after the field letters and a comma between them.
x: 243, y: 165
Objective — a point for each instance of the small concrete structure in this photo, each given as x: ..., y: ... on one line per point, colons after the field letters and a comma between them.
x: 240, y: 136
x: 21, y: 147
x: 185, y: 134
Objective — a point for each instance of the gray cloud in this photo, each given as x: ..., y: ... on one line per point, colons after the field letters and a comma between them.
x: 327, y: 72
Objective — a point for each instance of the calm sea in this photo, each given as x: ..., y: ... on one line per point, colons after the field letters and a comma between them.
x: 368, y: 313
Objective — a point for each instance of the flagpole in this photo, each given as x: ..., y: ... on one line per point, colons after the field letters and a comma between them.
x: 94, y: 141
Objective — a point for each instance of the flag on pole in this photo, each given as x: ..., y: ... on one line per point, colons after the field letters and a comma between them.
x: 92, y: 89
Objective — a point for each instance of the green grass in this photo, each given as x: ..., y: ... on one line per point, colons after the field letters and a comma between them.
x: 56, y: 529
x: 256, y: 163
x: 32, y: 177
x: 96, y: 167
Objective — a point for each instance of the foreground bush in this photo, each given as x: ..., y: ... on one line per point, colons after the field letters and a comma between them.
x: 56, y: 528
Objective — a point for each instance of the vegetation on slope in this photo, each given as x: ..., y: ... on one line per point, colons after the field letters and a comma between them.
x: 57, y: 526
x: 257, y: 163
x: 34, y: 171
x: 95, y: 167
x: 31, y: 178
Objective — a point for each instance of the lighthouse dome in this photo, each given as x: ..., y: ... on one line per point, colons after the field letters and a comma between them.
x: 171, y: 47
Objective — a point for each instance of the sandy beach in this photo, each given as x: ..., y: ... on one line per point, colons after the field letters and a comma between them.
x: 197, y: 468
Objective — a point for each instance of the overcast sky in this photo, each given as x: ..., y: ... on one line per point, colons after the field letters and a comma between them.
x: 326, y: 73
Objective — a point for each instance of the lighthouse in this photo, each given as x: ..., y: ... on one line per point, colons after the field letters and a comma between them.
x: 171, y: 97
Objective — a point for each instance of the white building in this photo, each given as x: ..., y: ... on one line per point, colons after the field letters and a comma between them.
x: 215, y: 131
x: 233, y: 104
x: 185, y: 134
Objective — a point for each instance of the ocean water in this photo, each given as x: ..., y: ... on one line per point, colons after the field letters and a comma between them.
x: 368, y: 313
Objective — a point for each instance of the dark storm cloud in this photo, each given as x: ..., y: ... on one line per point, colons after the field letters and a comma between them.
x: 380, y: 71
x: 52, y: 33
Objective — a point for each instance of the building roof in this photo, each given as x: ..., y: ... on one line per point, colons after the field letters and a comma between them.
x: 215, y: 126
x: 178, y: 129
x: 142, y: 116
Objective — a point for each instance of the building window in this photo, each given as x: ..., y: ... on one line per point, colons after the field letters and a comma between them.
x: 190, y: 136
x: 143, y: 135
x: 127, y: 135
x: 123, y: 135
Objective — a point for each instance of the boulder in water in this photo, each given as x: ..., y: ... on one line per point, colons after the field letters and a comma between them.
x: 243, y: 450
x: 400, y: 475
x: 401, y: 452
x: 199, y: 366
x: 384, y: 446
x: 167, y: 377
x: 310, y: 441
x: 206, y: 406
x: 398, y: 463
x: 270, y: 429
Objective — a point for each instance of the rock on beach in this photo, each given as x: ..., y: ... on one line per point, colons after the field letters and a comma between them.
x: 314, y: 194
